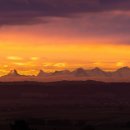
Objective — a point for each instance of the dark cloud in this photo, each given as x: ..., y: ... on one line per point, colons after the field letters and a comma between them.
x: 30, y: 11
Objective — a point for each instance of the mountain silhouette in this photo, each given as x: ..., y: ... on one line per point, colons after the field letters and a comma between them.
x: 122, y: 72
x: 121, y: 75
x: 79, y: 72
x: 62, y: 72
x: 13, y: 73
x: 96, y: 72
x: 42, y: 73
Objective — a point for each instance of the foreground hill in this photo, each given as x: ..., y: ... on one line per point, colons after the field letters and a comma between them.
x: 101, y: 104
x: 66, y: 92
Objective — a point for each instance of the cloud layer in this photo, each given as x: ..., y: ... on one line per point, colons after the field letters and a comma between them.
x: 15, y: 12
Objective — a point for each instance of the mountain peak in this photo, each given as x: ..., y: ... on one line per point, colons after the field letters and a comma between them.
x: 126, y: 68
x: 13, y: 73
x: 80, y: 72
x: 123, y: 72
x: 41, y: 73
x: 80, y: 69
x: 61, y: 72
x: 97, y: 69
x: 97, y: 72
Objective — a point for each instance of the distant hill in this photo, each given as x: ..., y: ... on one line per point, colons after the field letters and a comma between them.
x: 42, y: 73
x: 96, y: 72
x: 120, y: 75
x: 122, y: 72
x: 12, y: 73
x: 79, y: 72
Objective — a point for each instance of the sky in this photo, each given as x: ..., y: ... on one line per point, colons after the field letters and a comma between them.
x: 63, y: 34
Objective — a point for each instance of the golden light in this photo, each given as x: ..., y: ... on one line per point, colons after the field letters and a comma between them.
x: 34, y: 58
x: 59, y: 65
x: 120, y: 64
x: 27, y: 52
x: 20, y: 64
x: 14, y: 58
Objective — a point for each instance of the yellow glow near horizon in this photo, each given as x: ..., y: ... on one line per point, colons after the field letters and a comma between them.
x: 108, y: 56
x: 120, y: 64
x: 34, y: 58
x: 14, y: 58
x: 28, y: 55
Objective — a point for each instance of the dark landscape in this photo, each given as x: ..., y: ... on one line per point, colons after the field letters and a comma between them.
x: 78, y: 105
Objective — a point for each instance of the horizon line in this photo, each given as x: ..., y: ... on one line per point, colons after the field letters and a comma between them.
x: 38, y: 71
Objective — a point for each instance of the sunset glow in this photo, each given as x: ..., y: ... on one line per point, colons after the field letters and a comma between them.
x: 75, y: 38
x: 65, y: 56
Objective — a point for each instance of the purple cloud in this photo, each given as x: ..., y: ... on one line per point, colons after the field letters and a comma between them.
x: 14, y: 12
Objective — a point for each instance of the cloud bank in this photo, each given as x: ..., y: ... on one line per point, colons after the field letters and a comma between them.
x: 18, y: 12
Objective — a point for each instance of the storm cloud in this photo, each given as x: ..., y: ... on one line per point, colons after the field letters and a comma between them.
x: 18, y: 12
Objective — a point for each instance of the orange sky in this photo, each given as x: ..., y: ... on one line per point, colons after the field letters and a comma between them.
x: 63, y: 34
x: 87, y: 40
x: 28, y: 52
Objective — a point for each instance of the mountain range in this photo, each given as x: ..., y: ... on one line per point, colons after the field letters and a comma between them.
x: 122, y: 74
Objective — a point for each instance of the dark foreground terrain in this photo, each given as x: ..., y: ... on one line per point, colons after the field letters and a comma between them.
x: 77, y: 105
